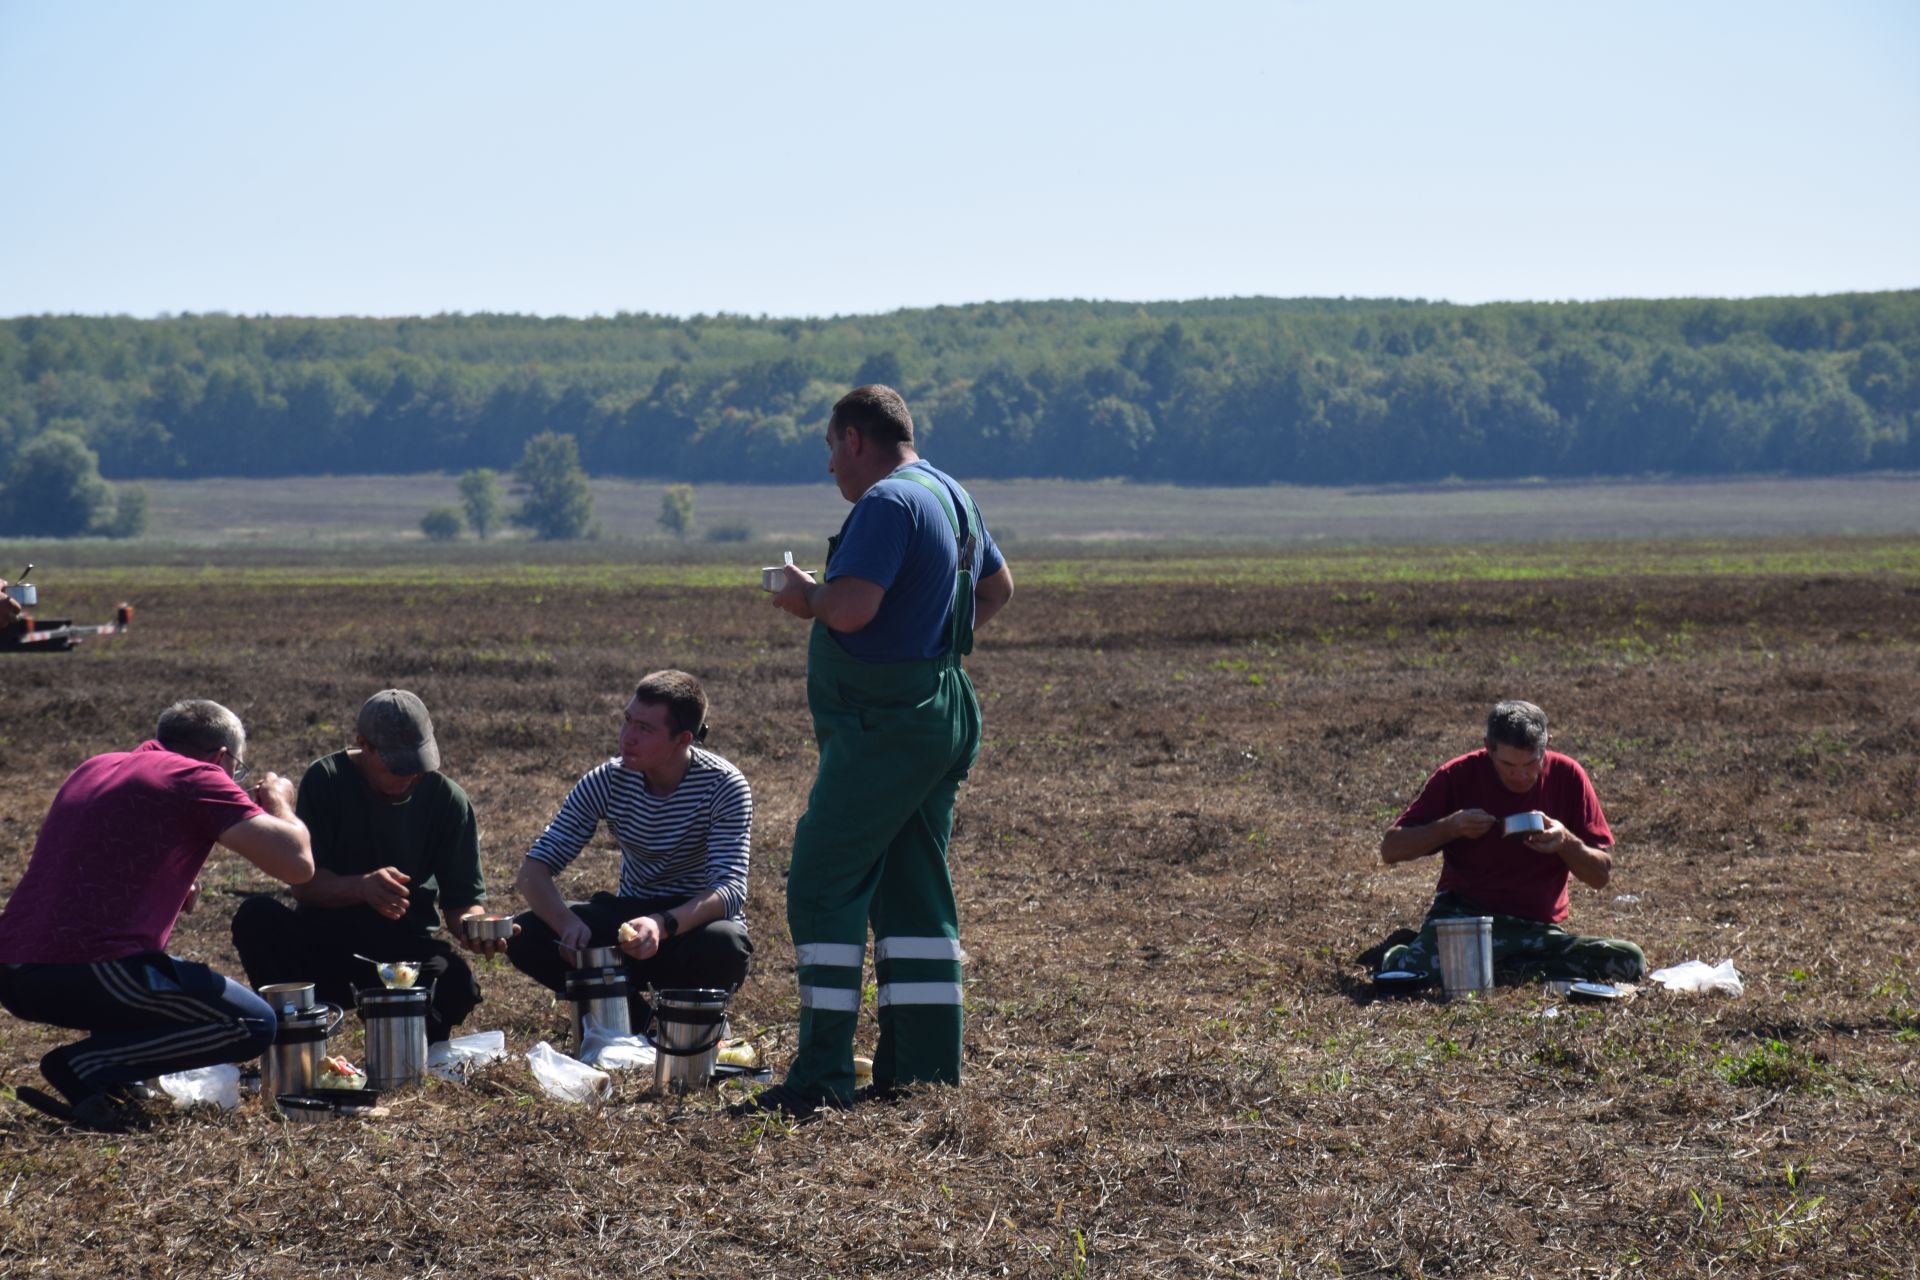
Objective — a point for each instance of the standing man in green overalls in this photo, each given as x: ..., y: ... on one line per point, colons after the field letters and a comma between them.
x: 909, y: 578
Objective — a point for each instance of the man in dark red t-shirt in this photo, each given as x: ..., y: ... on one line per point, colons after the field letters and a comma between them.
x: 83, y: 937
x: 1521, y: 881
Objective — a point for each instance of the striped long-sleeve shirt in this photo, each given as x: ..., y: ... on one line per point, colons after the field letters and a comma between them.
x: 695, y: 839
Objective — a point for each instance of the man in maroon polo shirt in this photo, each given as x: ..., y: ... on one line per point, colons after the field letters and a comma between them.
x: 83, y: 937
x: 1521, y: 881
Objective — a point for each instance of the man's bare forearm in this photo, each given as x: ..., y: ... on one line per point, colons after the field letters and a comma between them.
x: 1589, y: 865
x: 1404, y: 844
x: 327, y: 889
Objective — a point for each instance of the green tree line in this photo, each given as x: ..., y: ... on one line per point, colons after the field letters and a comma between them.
x: 1235, y: 391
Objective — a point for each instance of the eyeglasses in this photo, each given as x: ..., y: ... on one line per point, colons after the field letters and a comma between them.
x: 239, y: 771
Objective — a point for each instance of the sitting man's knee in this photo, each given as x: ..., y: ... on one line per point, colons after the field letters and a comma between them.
x: 1627, y: 963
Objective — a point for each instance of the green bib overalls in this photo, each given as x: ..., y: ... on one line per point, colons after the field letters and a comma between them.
x: 896, y: 740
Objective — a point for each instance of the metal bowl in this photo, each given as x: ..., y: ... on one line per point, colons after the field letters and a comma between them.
x: 1524, y: 824
x: 489, y: 928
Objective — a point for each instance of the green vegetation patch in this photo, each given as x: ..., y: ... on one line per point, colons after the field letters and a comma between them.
x: 613, y: 567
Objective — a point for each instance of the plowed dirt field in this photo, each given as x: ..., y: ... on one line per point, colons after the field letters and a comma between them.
x: 1166, y: 863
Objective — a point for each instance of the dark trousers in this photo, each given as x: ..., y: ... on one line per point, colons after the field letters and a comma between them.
x: 149, y: 1015
x: 714, y: 955
x: 1523, y: 950
x: 279, y: 944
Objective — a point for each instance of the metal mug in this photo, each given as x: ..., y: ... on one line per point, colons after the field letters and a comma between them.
x: 688, y: 1026
x: 396, y: 1025
x: 1466, y: 955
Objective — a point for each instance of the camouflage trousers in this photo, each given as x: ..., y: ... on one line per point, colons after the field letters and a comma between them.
x: 1523, y: 950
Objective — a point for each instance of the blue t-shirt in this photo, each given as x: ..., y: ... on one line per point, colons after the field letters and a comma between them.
x: 897, y: 537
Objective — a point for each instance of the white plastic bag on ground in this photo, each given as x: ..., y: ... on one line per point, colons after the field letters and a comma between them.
x: 218, y: 1085
x: 452, y: 1059
x: 565, y: 1079
x: 601, y: 1048
x: 1698, y: 975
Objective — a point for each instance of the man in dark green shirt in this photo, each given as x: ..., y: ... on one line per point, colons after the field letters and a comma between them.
x: 393, y: 839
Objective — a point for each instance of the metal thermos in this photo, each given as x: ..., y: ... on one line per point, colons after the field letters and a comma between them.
x: 396, y: 1025
x: 292, y: 1061
x: 688, y: 1026
x: 599, y: 995
x: 1466, y: 955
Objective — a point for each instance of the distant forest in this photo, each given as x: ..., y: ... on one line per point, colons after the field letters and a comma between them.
x: 1242, y: 391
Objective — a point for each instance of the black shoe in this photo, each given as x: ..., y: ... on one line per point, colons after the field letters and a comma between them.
x: 780, y: 1100
x: 93, y: 1112
x: 869, y: 1094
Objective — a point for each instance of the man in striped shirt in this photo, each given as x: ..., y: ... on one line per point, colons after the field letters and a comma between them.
x: 683, y: 818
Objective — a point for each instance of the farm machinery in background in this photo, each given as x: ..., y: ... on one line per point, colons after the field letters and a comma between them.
x: 31, y: 634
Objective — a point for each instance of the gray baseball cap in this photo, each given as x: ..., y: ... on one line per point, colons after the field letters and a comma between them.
x: 396, y: 725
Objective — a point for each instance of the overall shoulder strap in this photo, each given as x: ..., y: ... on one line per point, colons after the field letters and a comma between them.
x: 964, y: 538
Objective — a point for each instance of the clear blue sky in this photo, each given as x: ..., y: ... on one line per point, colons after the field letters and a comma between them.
x: 820, y: 159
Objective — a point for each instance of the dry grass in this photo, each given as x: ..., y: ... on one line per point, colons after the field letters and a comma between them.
x: 1165, y: 864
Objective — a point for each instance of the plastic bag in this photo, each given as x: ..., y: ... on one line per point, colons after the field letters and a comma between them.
x: 218, y: 1085
x: 566, y: 1079
x: 1698, y: 975
x: 602, y: 1048
x: 452, y: 1059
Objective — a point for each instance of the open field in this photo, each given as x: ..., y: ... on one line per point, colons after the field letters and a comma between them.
x: 1166, y: 865
x: 361, y: 509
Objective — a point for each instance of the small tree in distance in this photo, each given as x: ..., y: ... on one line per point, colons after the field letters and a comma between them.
x: 442, y: 524
x: 54, y: 489
x: 559, y: 505
x: 482, y: 496
x: 676, y: 510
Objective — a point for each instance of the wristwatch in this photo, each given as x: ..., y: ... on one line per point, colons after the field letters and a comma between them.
x: 671, y: 925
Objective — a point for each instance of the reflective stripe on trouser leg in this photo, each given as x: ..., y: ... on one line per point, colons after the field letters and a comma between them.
x: 830, y: 975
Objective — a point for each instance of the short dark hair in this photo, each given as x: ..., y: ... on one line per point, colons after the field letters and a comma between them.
x: 194, y: 726
x: 682, y: 696
x: 1514, y: 723
x: 877, y: 412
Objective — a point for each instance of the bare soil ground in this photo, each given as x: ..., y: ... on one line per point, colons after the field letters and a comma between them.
x: 1166, y: 865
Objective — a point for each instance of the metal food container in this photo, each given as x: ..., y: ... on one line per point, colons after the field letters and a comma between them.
x: 591, y: 957
x: 1466, y: 955
x: 287, y: 998
x: 598, y: 997
x: 292, y: 1062
x: 1524, y: 824
x: 489, y: 928
x: 396, y: 1027
x: 688, y: 1027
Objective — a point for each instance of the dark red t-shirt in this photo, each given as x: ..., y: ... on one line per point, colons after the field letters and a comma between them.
x: 1500, y: 872
x: 122, y: 843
